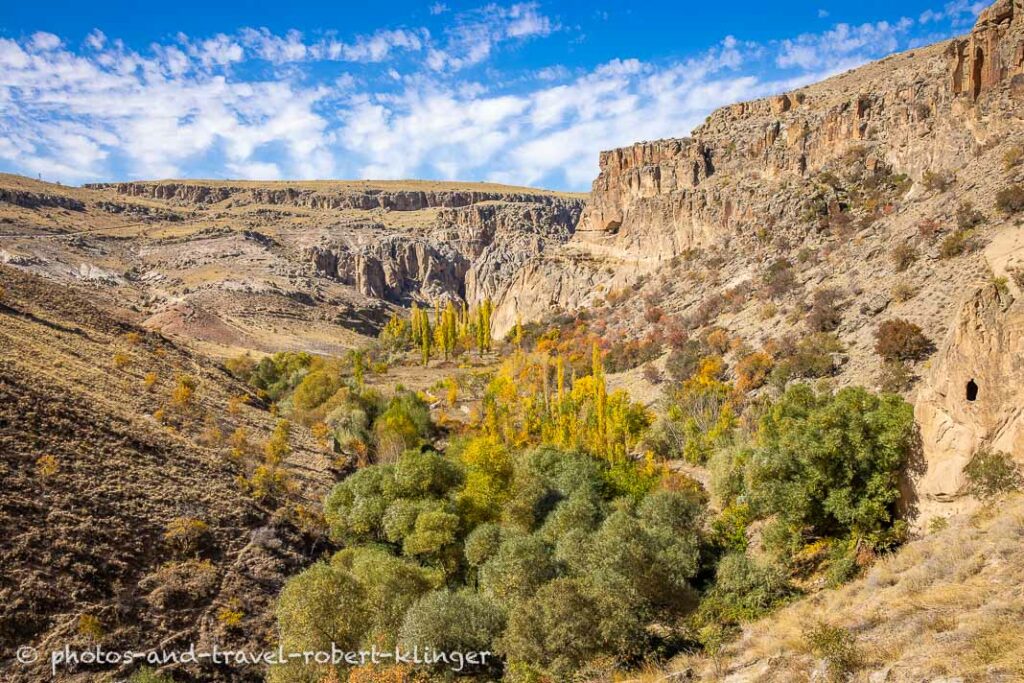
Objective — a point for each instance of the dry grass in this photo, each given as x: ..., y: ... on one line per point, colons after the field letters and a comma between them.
x: 949, y: 604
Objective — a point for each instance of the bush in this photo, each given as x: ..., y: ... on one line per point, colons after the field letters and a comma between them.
x: 753, y: 371
x: 187, y: 535
x: 991, y: 473
x: 904, y: 291
x: 956, y: 244
x: 900, y: 340
x: 1013, y: 157
x: 830, y: 463
x: 825, y: 314
x: 568, y: 623
x: 1010, y: 200
x: 936, y: 181
x: 895, y: 377
x: 149, y: 675
x: 321, y: 606
x: 447, y: 621
x: 779, y: 278
x: 903, y: 255
x: 837, y: 646
x: 968, y: 217
x: 744, y: 590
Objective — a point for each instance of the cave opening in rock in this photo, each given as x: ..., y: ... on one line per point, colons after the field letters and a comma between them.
x: 972, y: 390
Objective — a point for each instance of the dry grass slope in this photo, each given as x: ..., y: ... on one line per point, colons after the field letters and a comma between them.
x: 946, y: 607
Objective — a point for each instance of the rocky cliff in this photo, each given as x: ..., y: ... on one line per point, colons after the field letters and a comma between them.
x: 827, y: 184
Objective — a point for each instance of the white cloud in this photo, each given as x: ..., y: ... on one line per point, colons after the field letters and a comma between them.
x: 960, y: 13
x: 256, y: 104
x: 96, y: 39
x: 814, y: 51
x: 45, y: 41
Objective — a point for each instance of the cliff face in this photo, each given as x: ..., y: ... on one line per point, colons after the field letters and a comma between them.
x: 467, y: 253
x: 917, y: 111
x: 829, y: 181
x: 350, y: 197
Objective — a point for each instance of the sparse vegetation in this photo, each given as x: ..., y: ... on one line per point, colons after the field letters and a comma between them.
x: 1013, y: 157
x: 992, y: 473
x: 837, y: 646
x: 936, y: 181
x: 1010, y: 200
x: 903, y: 256
x: 968, y: 217
x: 957, y: 244
x: 904, y: 291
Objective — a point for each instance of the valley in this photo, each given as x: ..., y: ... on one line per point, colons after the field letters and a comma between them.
x: 750, y: 410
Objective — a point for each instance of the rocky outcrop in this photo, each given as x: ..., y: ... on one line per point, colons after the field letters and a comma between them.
x: 929, y: 110
x: 469, y: 253
x: 363, y: 199
x: 396, y: 269
x: 973, y: 395
x: 991, y: 53
x: 35, y: 200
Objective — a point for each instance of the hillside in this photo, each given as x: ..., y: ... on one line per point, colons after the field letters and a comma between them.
x: 945, y: 608
x: 316, y: 266
x: 892, y: 191
x: 734, y: 415
x: 116, y: 527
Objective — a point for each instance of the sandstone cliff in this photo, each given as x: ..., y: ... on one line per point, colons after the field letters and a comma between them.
x: 828, y: 182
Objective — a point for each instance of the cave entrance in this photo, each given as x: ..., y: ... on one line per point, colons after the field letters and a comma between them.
x: 972, y: 390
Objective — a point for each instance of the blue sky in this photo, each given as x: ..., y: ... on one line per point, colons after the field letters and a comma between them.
x: 522, y: 93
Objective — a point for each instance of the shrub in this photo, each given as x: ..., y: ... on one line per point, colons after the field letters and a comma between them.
x: 89, y: 626
x: 825, y: 314
x: 743, y: 590
x: 569, y: 622
x: 1018, y: 277
x: 900, y: 340
x: 47, y: 466
x: 180, y: 584
x: 904, y: 291
x: 752, y: 371
x: 682, y: 363
x: 183, y: 394
x: 324, y: 606
x: 968, y: 217
x: 520, y: 566
x: 956, y: 244
x: 895, y: 377
x: 447, y: 621
x: 1013, y: 157
x: 187, y: 535
x: 315, y: 389
x: 936, y: 181
x: 1010, y: 200
x: 121, y: 359
x: 830, y: 463
x: 991, y: 473
x: 779, y: 278
x: 837, y: 646
x: 149, y: 675
x: 903, y: 255
x: 810, y: 358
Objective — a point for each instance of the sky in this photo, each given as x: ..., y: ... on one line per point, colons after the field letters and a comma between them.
x: 523, y: 93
